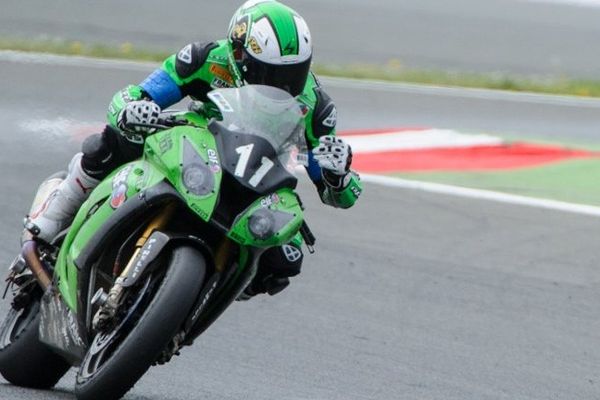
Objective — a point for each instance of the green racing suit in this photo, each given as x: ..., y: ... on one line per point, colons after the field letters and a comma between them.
x: 201, y: 67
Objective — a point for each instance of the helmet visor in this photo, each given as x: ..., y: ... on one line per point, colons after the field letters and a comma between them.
x: 290, y: 77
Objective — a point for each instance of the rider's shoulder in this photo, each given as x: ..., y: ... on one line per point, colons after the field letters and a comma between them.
x: 314, y: 95
x: 322, y: 110
x: 194, y: 56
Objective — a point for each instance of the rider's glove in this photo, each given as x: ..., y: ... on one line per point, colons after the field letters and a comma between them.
x: 334, y: 156
x: 138, y: 112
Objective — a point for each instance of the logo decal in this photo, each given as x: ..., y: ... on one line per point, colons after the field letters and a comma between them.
x: 185, y: 54
x: 219, y: 83
x: 220, y: 102
x: 289, y: 49
x: 44, y: 205
x: 213, y: 160
x: 240, y: 29
x: 119, y: 195
x: 119, y: 185
x: 256, y: 49
x: 221, y: 73
x: 268, y: 201
x: 331, y: 119
x: 304, y: 109
x: 165, y: 144
x: 292, y: 254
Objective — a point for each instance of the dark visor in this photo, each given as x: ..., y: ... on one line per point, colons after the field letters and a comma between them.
x: 291, y: 78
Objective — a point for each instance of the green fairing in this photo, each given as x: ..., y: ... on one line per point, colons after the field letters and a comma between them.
x: 166, y: 150
x: 92, y: 215
x: 283, y: 201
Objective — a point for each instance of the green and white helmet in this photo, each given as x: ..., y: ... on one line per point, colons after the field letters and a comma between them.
x: 270, y: 45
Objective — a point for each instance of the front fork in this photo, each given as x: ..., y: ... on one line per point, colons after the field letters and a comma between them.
x: 109, y: 303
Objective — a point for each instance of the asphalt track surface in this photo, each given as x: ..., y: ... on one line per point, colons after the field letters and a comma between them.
x: 515, y: 36
x: 410, y: 295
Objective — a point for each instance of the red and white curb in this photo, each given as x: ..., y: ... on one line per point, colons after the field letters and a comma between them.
x: 444, y: 150
x: 370, y: 143
x: 405, y: 139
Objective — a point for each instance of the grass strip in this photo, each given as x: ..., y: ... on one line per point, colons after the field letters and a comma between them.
x: 392, y: 71
x: 574, y: 181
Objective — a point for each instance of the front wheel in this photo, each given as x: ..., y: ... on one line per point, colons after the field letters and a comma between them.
x: 24, y: 360
x: 117, y: 359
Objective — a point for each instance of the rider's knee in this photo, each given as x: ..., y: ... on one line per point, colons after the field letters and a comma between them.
x: 98, y: 154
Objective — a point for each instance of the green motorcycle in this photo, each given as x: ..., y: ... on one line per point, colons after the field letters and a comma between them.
x: 161, y: 247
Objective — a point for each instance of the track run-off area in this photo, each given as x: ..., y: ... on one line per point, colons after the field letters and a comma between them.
x: 424, y: 290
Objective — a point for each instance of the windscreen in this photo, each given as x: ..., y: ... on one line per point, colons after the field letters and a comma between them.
x: 268, y: 112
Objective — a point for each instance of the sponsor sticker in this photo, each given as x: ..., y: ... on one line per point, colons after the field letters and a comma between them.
x: 213, y: 160
x: 219, y: 83
x: 220, y: 102
x: 270, y: 200
x: 254, y: 46
x: 240, y: 29
x: 221, y: 72
x: 165, y: 144
x: 119, y: 185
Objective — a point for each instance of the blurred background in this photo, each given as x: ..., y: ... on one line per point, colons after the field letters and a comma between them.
x: 420, y: 291
x: 516, y: 36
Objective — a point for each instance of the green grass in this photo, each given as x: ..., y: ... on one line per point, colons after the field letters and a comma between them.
x: 499, y: 81
x: 125, y: 51
x: 574, y: 181
x: 393, y: 71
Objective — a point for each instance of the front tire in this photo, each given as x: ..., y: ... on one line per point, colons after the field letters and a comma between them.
x: 24, y: 360
x: 161, y: 320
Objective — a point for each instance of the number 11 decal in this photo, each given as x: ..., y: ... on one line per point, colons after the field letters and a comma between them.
x: 240, y: 168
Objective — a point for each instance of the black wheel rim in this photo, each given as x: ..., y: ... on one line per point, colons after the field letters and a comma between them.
x: 106, y: 343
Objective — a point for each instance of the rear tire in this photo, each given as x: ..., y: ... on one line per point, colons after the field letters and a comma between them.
x: 24, y: 360
x: 161, y: 320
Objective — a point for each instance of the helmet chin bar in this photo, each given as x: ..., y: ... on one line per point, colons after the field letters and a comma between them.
x: 289, y: 77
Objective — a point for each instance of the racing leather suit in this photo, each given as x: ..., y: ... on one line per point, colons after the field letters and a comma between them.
x: 194, y: 71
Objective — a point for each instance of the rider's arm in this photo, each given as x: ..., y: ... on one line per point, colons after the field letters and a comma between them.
x: 176, y: 78
x: 340, y: 191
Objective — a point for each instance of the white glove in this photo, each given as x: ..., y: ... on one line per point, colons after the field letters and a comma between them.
x: 138, y: 112
x: 333, y: 155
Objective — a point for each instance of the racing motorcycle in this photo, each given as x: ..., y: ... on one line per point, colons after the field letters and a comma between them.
x: 161, y: 247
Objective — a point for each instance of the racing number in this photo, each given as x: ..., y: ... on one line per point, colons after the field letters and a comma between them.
x: 240, y: 168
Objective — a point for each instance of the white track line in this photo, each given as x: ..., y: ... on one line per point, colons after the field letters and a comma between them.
x: 22, y: 57
x: 483, y: 195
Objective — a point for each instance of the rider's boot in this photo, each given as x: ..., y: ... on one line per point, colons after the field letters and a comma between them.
x: 53, y: 212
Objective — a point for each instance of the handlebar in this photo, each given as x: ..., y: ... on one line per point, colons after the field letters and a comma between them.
x: 162, y: 124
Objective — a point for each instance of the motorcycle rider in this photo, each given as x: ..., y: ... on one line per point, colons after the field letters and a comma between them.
x: 268, y: 43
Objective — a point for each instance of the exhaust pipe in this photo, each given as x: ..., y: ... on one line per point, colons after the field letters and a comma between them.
x: 32, y: 258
